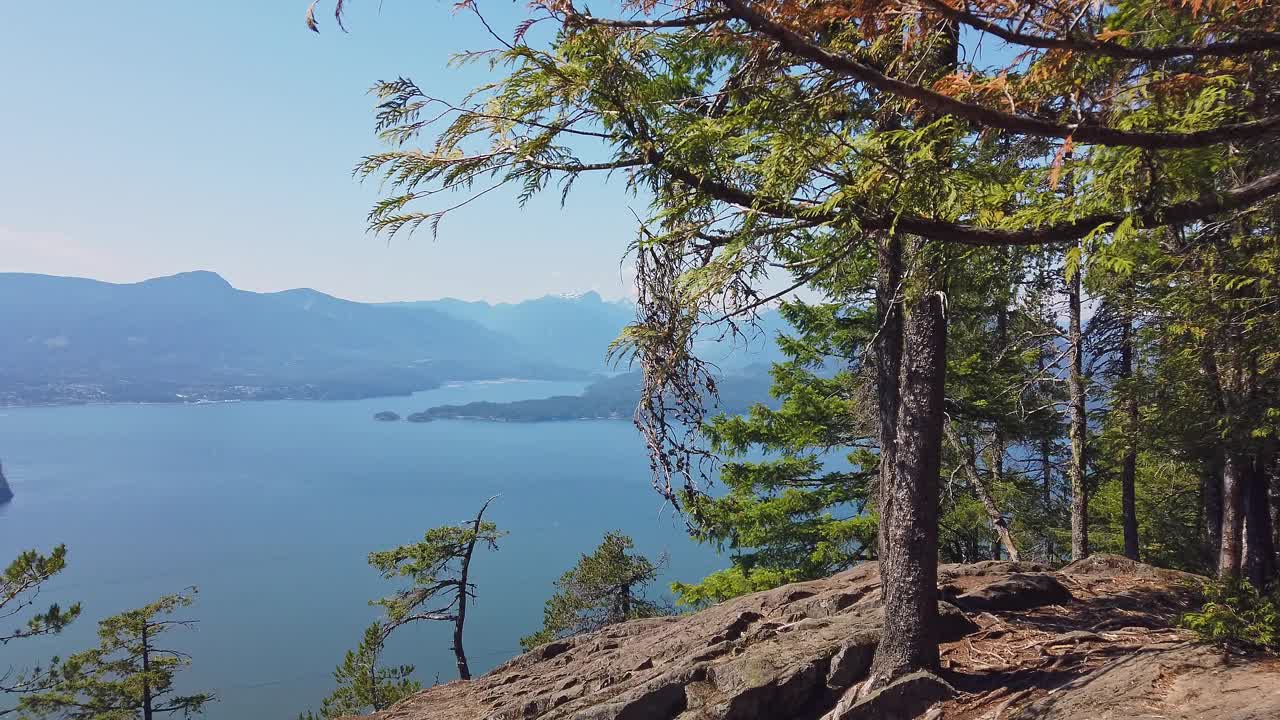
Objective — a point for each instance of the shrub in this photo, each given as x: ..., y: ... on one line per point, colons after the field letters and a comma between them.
x: 1236, y: 612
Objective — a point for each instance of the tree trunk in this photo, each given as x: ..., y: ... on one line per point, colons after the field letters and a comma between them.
x: 1076, y: 393
x: 1234, y: 476
x: 1211, y: 492
x: 1215, y: 460
x: 464, y: 670
x: 1129, y: 467
x: 1005, y: 538
x: 146, y: 675
x: 888, y: 350
x: 909, y: 568
x: 1260, y: 541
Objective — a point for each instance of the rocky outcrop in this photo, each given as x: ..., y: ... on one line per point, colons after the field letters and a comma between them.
x: 1018, y: 640
x: 387, y: 416
x: 6, y: 493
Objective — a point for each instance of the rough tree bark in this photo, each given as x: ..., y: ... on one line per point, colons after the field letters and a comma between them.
x: 1129, y: 466
x: 909, y: 568
x: 888, y: 349
x: 1076, y: 397
x: 1235, y: 471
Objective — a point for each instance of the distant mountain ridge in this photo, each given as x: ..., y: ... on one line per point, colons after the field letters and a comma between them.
x: 571, y: 330
x: 193, y: 337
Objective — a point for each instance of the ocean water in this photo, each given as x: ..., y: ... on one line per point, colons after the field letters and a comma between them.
x: 271, y: 508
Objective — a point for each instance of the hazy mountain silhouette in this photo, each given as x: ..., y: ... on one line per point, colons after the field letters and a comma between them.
x: 193, y: 336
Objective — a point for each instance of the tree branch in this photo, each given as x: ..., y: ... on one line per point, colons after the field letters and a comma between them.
x: 986, y: 117
x: 1255, y: 43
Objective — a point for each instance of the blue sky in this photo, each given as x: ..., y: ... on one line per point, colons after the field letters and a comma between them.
x: 150, y: 137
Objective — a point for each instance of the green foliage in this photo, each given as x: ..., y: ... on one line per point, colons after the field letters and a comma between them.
x: 362, y: 686
x: 1237, y: 612
x: 799, y: 512
x: 19, y: 586
x: 127, y: 676
x: 435, y: 569
x: 604, y: 588
x: 1169, y: 525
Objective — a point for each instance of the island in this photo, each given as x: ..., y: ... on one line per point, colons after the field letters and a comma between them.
x: 6, y: 493
x: 386, y: 416
x: 611, y: 398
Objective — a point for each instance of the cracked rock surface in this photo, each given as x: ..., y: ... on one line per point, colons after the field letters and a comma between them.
x: 1018, y: 640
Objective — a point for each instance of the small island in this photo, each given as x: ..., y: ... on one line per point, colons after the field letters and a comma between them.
x: 6, y: 493
x: 386, y: 416
x: 612, y: 398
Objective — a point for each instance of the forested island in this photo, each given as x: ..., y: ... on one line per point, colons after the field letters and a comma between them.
x: 612, y: 398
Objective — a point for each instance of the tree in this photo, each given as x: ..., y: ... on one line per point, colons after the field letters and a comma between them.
x: 128, y: 676
x: 439, y: 570
x: 604, y: 588
x: 20, y: 585
x: 776, y: 135
x: 364, y: 687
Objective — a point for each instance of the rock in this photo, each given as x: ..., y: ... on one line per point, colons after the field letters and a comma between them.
x: 387, y: 416
x: 419, y: 417
x: 6, y: 493
x: 1187, y: 682
x: 1020, y: 591
x: 906, y: 698
x: 795, y: 653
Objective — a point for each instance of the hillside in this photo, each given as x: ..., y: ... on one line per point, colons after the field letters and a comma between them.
x: 194, y: 336
x: 1092, y: 640
x: 576, y: 330
x: 613, y: 398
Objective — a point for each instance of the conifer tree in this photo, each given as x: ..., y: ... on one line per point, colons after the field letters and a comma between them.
x: 129, y: 676
x: 363, y: 686
x: 820, y: 137
x: 439, y: 572
x: 604, y: 588
x: 20, y: 585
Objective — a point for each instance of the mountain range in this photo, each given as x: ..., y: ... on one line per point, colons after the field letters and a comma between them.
x: 193, y: 337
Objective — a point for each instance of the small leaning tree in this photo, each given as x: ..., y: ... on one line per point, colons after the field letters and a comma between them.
x: 439, y: 569
x: 604, y: 588
x: 128, y: 676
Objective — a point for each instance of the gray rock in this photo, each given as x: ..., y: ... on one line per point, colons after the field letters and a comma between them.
x: 1020, y: 591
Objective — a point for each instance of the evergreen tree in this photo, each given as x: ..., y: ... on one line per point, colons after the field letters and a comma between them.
x: 604, y: 588
x: 822, y: 138
x: 20, y: 584
x: 363, y: 686
x: 439, y: 571
x: 129, y: 676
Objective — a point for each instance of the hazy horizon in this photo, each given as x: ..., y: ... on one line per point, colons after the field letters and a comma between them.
x: 164, y: 137
x: 568, y: 293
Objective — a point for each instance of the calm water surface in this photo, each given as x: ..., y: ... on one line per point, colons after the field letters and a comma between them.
x: 270, y: 509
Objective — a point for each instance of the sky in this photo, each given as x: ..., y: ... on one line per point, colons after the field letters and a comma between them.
x: 151, y: 137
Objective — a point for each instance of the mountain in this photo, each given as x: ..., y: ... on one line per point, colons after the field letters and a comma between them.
x: 576, y: 330
x: 194, y: 336
x: 569, y: 330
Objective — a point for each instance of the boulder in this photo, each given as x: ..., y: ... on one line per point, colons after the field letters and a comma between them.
x: 1019, y: 591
